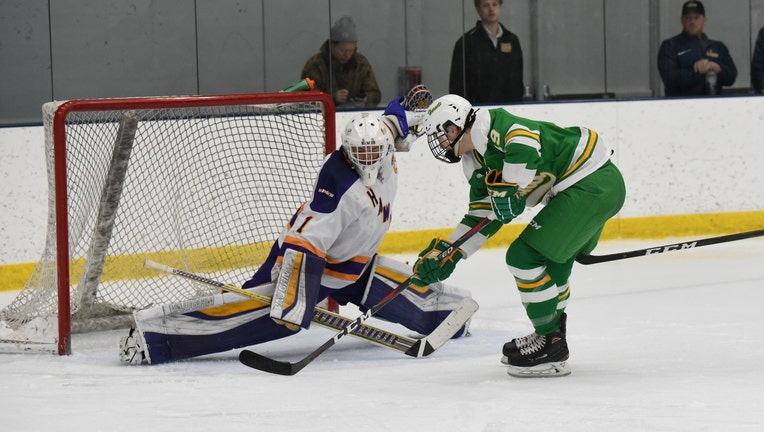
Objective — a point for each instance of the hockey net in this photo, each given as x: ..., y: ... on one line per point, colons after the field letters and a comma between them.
x: 202, y: 183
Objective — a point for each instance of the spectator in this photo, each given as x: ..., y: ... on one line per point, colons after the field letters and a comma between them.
x: 690, y: 63
x: 340, y: 70
x: 487, y: 63
x: 757, y: 64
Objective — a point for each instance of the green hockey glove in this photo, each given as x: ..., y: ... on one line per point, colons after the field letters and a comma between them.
x: 506, y: 205
x: 428, y: 270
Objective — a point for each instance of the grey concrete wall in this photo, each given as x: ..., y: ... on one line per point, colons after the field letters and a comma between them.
x: 25, y: 71
x: 67, y: 49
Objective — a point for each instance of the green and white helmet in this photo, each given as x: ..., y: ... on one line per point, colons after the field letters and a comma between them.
x: 445, y: 111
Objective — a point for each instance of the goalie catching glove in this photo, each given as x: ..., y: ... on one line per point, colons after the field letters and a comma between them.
x: 418, y: 98
x: 405, y: 115
x: 504, y: 200
x: 428, y: 270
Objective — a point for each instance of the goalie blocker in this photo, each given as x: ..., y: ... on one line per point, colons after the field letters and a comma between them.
x: 225, y: 321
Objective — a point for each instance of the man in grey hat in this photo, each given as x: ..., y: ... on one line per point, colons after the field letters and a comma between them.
x: 690, y: 63
x: 340, y: 70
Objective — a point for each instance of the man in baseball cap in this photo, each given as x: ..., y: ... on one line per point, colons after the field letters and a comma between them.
x: 690, y: 63
x: 693, y: 6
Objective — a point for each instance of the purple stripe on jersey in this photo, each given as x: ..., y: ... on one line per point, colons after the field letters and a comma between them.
x: 348, y: 267
x: 335, y: 178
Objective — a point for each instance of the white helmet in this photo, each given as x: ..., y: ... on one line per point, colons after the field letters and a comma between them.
x: 445, y: 111
x: 367, y: 143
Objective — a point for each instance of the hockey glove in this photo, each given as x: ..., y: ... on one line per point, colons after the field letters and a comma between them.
x: 504, y: 201
x: 418, y: 98
x: 395, y: 113
x: 416, y: 102
x: 428, y: 270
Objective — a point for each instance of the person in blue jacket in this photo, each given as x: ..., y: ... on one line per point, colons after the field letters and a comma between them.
x: 690, y: 63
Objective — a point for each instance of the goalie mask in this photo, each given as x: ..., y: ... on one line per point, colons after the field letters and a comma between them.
x: 367, y: 144
x: 446, y: 111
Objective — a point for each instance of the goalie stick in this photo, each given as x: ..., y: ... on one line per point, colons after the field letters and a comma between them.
x: 594, y: 259
x: 267, y: 364
x: 414, y: 347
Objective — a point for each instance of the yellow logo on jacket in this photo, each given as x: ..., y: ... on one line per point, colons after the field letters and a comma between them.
x: 505, y: 47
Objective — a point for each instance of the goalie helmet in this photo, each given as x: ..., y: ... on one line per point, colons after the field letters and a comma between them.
x: 446, y: 111
x: 367, y: 144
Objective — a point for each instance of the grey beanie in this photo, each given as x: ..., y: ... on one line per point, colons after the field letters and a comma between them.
x: 344, y: 30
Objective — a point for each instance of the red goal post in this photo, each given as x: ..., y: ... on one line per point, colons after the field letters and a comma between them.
x: 203, y: 183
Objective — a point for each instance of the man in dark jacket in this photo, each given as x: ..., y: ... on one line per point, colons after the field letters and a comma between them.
x: 487, y: 63
x: 690, y: 63
x: 757, y: 64
x: 340, y: 70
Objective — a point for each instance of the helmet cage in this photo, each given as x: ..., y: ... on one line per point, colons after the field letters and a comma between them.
x: 448, y: 110
x: 441, y: 147
x: 367, y: 145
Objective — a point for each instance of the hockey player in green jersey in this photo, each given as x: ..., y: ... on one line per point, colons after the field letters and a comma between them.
x: 512, y: 163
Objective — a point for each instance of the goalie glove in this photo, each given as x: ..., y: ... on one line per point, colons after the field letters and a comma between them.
x: 405, y: 115
x: 505, y: 203
x: 395, y: 116
x: 428, y: 270
x: 416, y: 102
x: 418, y: 98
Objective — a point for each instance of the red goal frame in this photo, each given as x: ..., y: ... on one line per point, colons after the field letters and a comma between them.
x: 60, y: 167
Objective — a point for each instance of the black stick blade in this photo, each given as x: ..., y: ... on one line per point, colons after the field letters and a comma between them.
x: 266, y: 364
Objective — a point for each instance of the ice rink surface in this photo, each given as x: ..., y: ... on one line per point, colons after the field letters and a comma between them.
x: 669, y: 342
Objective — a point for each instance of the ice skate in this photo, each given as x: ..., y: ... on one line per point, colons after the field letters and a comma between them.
x: 514, y: 345
x: 538, y: 356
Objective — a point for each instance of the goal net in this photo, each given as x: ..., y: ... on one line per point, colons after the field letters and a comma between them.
x: 204, y: 184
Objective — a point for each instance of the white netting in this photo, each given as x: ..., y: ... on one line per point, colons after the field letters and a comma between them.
x: 205, y: 189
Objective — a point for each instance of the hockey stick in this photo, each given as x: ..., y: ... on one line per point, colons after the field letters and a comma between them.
x: 267, y: 364
x: 414, y: 347
x: 594, y: 259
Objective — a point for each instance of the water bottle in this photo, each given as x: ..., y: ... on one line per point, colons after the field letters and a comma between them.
x: 302, y: 85
x: 547, y: 93
x: 527, y: 94
x: 711, y: 81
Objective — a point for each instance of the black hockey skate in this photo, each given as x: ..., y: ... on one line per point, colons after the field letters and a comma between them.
x: 538, y: 356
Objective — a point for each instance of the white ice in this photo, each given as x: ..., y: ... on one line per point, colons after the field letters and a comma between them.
x: 666, y: 342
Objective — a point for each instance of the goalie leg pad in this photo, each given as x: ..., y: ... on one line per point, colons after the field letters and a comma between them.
x: 420, y: 309
x: 203, y: 326
x: 264, y: 273
x: 297, y: 288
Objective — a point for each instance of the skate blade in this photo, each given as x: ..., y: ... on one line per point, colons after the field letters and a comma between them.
x: 554, y: 369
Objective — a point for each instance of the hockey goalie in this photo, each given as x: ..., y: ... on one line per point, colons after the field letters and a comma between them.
x: 328, y: 248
